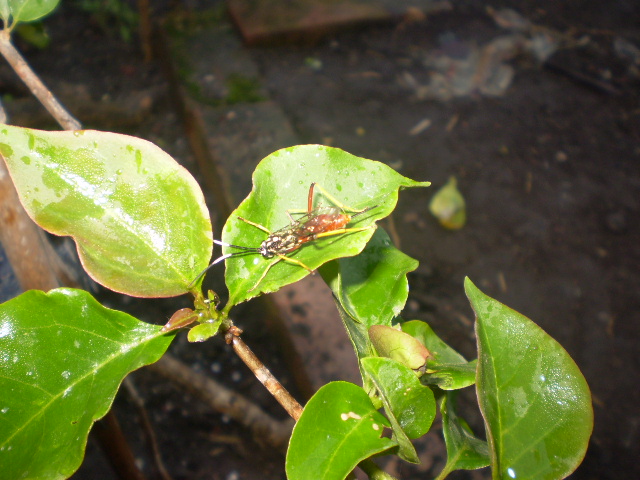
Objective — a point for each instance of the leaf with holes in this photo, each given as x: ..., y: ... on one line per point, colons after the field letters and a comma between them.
x: 339, y: 427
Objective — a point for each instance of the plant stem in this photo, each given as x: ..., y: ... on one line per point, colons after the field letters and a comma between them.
x: 147, y: 426
x: 444, y: 473
x: 30, y: 255
x: 114, y: 444
x: 262, y: 373
x: 39, y: 90
x: 374, y: 472
x: 266, y: 429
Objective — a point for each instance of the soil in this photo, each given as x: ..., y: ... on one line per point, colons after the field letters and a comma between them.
x: 549, y: 171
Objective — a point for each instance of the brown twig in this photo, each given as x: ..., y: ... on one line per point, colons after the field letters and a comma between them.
x: 262, y: 373
x: 27, y: 251
x: 393, y: 232
x: 34, y: 261
x: 146, y: 425
x: 116, y: 448
x: 26, y: 248
x: 265, y: 428
x: 144, y: 14
x: 39, y: 90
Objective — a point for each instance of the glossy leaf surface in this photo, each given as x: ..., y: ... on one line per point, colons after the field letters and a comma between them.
x: 450, y: 376
x: 464, y: 450
x: 438, y: 349
x: 359, y: 336
x: 339, y: 427
x: 180, y: 319
x: 26, y: 10
x: 204, y: 331
x: 400, y: 346
x: 446, y: 368
x: 372, y: 286
x: 62, y: 358
x: 281, y: 183
x: 409, y: 405
x: 535, y: 402
x: 138, y: 218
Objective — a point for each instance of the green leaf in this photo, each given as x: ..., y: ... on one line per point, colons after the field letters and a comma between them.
x: 34, y: 34
x: 409, y: 405
x: 362, y: 345
x: 446, y: 368
x: 372, y: 286
x: 535, y: 402
x: 280, y: 184
x: 448, y: 206
x: 62, y: 358
x: 450, y: 376
x: 204, y: 331
x: 464, y: 450
x: 25, y: 10
x: 138, y: 218
x: 400, y: 346
x: 339, y: 427
x: 439, y: 350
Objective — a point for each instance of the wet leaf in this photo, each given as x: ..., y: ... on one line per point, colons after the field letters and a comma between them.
x: 448, y: 206
x: 439, y: 350
x: 450, y: 376
x: 446, y: 368
x: 402, y: 347
x: 280, y: 183
x: 180, y: 319
x: 464, y: 450
x: 62, y: 358
x: 409, y: 405
x: 339, y: 427
x: 372, y: 286
x: 204, y: 331
x: 26, y: 10
x: 138, y: 218
x: 359, y: 336
x: 535, y: 402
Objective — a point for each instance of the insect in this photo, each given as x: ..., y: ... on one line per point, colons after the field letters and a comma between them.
x: 315, y: 223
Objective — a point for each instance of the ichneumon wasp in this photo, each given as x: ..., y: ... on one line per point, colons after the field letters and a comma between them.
x: 315, y: 223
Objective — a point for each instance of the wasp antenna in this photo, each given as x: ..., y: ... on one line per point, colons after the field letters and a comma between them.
x: 217, y: 260
x: 361, y: 212
x: 224, y: 244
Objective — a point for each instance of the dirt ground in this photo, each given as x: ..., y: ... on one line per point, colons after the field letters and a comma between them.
x: 549, y: 170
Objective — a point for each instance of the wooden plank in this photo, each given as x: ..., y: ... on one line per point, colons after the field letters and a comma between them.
x: 268, y: 22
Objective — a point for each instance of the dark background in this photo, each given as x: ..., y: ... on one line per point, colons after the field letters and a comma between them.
x: 549, y: 171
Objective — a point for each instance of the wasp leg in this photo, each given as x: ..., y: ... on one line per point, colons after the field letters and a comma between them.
x: 296, y: 211
x: 257, y: 225
x: 295, y: 262
x: 280, y: 258
x: 264, y: 274
x: 340, y: 231
x: 335, y: 201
